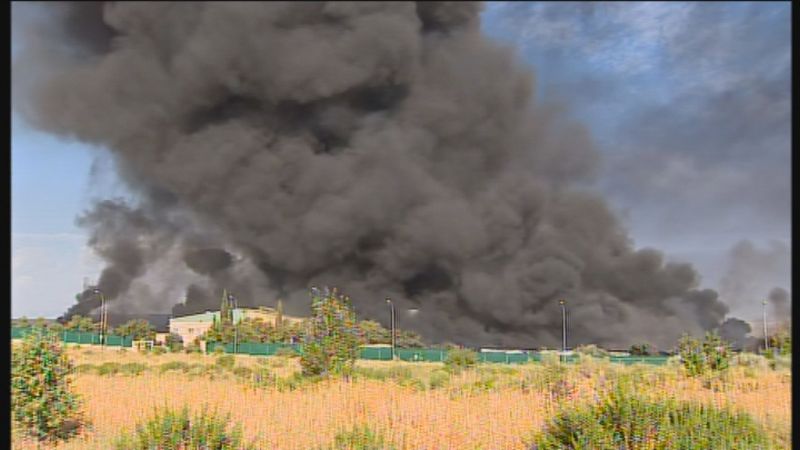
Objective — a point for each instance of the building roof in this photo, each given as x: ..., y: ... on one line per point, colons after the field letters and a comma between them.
x: 238, y: 315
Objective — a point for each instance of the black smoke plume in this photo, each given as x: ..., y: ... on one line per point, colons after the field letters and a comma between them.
x: 389, y: 149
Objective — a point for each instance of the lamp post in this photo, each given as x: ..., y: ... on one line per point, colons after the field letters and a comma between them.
x: 766, y: 339
x: 391, y: 305
x: 232, y: 299
x: 103, y: 318
x: 563, y: 327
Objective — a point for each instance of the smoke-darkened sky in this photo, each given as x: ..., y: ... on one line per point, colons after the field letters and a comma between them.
x: 403, y: 153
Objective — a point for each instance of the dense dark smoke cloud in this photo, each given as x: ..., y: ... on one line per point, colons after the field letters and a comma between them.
x: 752, y: 274
x: 737, y: 333
x: 389, y: 149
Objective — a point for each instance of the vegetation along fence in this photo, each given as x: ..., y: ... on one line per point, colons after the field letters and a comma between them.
x: 370, y: 353
x: 79, y: 337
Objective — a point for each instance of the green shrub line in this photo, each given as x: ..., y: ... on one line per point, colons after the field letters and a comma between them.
x: 623, y: 419
x: 171, y: 429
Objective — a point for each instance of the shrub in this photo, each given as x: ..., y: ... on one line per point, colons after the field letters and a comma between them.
x: 287, y: 352
x: 193, y: 347
x: 332, y: 340
x: 591, y: 350
x: 781, y: 362
x: 621, y: 419
x: 158, y: 350
x: 42, y: 402
x: 172, y: 429
x: 174, y: 342
x: 226, y: 362
x: 85, y: 368
x: 108, y: 368
x: 439, y: 379
x: 173, y: 365
x: 712, y: 354
x: 750, y: 360
x: 133, y: 368
x: 640, y: 350
x: 219, y: 350
x: 360, y: 438
x: 242, y: 372
x: 459, y: 359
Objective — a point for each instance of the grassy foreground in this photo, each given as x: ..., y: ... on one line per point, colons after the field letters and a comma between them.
x: 412, y: 405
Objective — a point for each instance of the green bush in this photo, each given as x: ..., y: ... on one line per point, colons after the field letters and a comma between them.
x: 360, y: 438
x: 591, y: 350
x: 42, y: 402
x: 459, y: 359
x: 781, y: 362
x: 438, y: 379
x: 226, y: 362
x: 750, y: 360
x: 86, y: 368
x: 242, y: 372
x: 712, y: 354
x: 622, y: 419
x: 133, y: 368
x: 287, y: 352
x: 109, y: 368
x: 158, y: 350
x: 173, y: 365
x: 219, y: 350
x: 170, y: 429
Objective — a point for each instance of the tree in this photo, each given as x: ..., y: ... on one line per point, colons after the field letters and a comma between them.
x: 409, y: 339
x: 81, y: 323
x: 373, y: 333
x: 174, y: 342
x: 42, y: 401
x: 640, y: 350
x: 700, y: 357
x: 331, y: 343
x: 22, y: 322
x: 138, y: 329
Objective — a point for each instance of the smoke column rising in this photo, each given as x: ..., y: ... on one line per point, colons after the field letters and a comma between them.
x: 389, y: 149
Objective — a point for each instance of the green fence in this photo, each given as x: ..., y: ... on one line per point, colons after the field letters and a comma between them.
x: 251, y: 348
x: 628, y: 360
x: 79, y: 337
x: 376, y: 353
x: 503, y: 357
x: 421, y: 354
x: 372, y: 353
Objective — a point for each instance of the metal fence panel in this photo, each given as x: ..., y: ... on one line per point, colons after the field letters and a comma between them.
x: 421, y: 354
x: 20, y: 332
x: 376, y: 353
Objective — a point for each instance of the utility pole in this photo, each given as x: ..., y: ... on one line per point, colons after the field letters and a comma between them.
x: 103, y: 318
x: 563, y: 328
x: 389, y: 301
x: 766, y: 338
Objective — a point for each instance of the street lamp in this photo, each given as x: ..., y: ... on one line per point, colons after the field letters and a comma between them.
x: 391, y: 305
x: 766, y: 339
x: 103, y: 317
x: 563, y: 327
x: 232, y: 299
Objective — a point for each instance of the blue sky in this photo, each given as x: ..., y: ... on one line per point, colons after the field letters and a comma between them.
x: 688, y: 104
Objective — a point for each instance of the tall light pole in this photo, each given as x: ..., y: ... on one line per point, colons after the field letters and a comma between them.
x: 103, y: 318
x: 232, y: 299
x: 766, y: 339
x: 391, y: 305
x: 563, y: 327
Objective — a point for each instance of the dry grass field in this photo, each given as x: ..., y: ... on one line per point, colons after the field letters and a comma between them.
x: 492, y: 407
